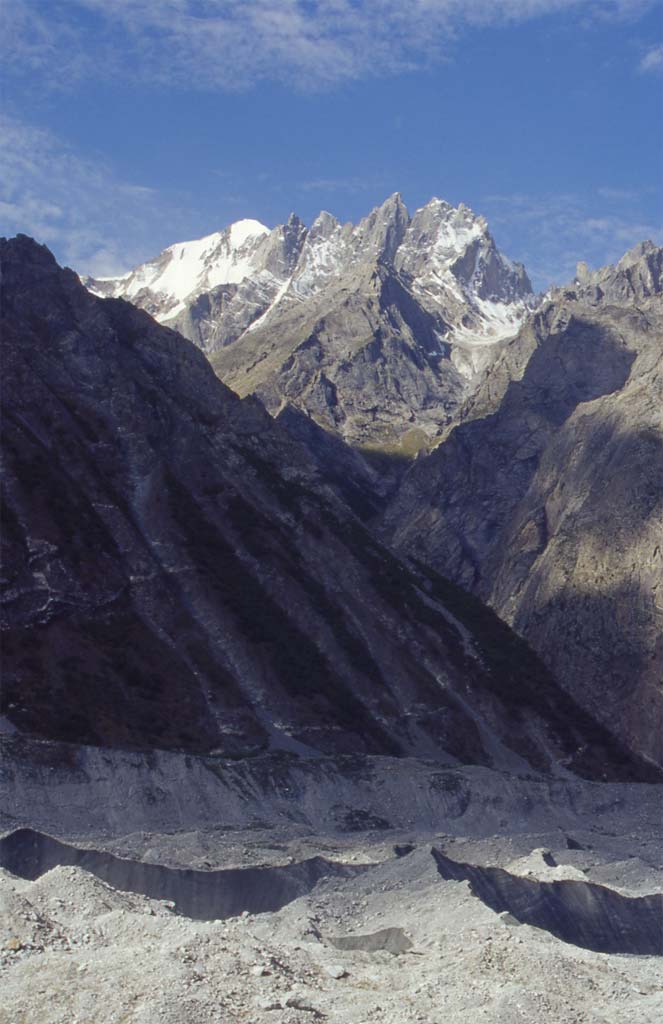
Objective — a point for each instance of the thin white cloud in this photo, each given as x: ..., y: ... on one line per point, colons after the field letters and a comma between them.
x: 618, y: 195
x: 350, y: 186
x: 102, y: 225
x: 652, y: 61
x: 92, y: 221
x: 551, y: 233
x: 231, y: 44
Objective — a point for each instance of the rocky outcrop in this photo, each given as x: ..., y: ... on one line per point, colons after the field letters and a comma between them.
x: 587, y: 915
x: 362, y: 358
x: 547, y: 499
x: 637, y: 277
x: 178, y: 576
x: 375, y: 330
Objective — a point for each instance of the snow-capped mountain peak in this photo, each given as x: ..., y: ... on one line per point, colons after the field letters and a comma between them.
x: 434, y: 285
x: 186, y: 269
x: 440, y: 233
x: 446, y: 253
x: 453, y: 267
x: 241, y: 230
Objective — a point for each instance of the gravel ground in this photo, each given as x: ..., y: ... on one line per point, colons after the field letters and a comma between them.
x: 75, y: 951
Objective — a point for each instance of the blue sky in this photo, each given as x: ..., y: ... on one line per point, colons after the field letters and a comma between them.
x: 127, y: 125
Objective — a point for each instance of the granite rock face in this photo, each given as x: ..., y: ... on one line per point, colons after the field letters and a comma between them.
x: 375, y: 330
x: 547, y: 500
x: 178, y: 576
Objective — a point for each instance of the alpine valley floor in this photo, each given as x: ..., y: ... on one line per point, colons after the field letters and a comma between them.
x: 351, y: 889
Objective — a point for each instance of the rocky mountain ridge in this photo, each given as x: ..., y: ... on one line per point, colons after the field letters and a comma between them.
x: 375, y: 330
x: 178, y: 576
x: 546, y: 499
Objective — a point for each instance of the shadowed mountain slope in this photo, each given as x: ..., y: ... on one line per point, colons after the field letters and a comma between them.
x: 178, y: 576
x: 547, y: 500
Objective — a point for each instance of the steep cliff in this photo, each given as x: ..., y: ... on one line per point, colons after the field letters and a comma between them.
x: 547, y: 501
